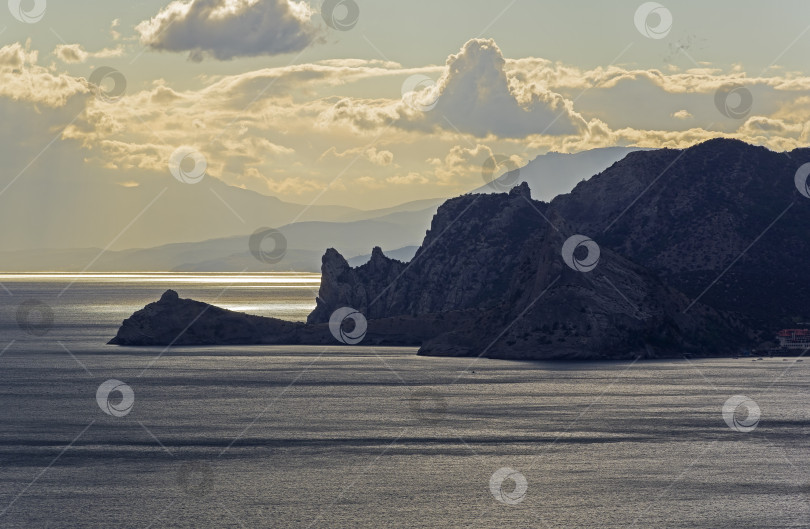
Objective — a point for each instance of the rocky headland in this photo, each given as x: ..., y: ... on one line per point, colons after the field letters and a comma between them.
x: 663, y: 254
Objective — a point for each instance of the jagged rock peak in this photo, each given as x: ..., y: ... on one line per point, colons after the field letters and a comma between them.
x: 332, y: 257
x: 522, y: 189
x: 377, y: 253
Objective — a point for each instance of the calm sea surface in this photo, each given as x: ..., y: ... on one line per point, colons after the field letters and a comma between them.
x: 358, y: 437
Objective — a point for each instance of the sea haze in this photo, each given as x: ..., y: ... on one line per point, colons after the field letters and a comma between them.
x: 362, y: 437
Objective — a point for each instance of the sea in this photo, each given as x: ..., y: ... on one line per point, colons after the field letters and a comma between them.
x: 100, y: 436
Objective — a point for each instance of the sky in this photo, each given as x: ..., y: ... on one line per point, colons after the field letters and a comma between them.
x: 372, y: 104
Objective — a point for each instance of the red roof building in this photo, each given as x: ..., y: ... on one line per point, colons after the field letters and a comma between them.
x: 794, y: 338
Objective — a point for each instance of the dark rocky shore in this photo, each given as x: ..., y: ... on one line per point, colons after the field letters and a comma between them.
x: 492, y: 276
x: 173, y: 320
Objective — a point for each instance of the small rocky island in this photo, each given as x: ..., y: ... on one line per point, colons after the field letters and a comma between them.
x: 173, y: 320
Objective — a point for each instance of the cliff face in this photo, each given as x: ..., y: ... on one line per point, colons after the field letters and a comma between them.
x: 466, y: 261
x: 342, y: 285
x: 691, y: 213
x: 499, y: 257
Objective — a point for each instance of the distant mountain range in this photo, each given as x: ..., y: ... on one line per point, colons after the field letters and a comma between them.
x: 554, y: 173
x: 100, y: 214
x: 401, y: 254
x: 394, y: 227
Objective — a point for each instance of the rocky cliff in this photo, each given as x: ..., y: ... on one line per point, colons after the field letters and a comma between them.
x: 722, y: 215
x: 664, y: 253
x: 500, y: 257
x: 496, y: 275
x: 466, y: 261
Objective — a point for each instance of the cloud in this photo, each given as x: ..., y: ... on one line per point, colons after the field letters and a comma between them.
x: 70, y: 53
x: 473, y: 96
x: 464, y: 165
x: 23, y: 79
x: 226, y: 29
x: 280, y: 130
x: 681, y: 114
x: 108, y: 52
x: 377, y: 157
x: 409, y: 179
x: 75, y: 53
x: 163, y: 95
x: 114, y: 33
x: 13, y: 57
x: 647, y: 99
x: 287, y: 136
x: 357, y: 63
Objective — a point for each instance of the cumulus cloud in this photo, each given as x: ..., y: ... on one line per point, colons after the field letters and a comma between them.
x: 13, y: 57
x: 23, y: 79
x: 225, y: 29
x: 473, y: 96
x: 681, y: 114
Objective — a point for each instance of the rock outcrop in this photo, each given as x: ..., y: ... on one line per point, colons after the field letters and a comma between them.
x: 342, y: 285
x: 722, y: 214
x: 173, y: 320
x: 176, y: 321
x: 465, y: 262
x: 499, y: 259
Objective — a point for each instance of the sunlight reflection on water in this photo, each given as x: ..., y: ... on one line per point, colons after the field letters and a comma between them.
x: 288, y: 279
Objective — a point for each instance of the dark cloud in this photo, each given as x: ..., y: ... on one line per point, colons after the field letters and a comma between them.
x: 225, y: 29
